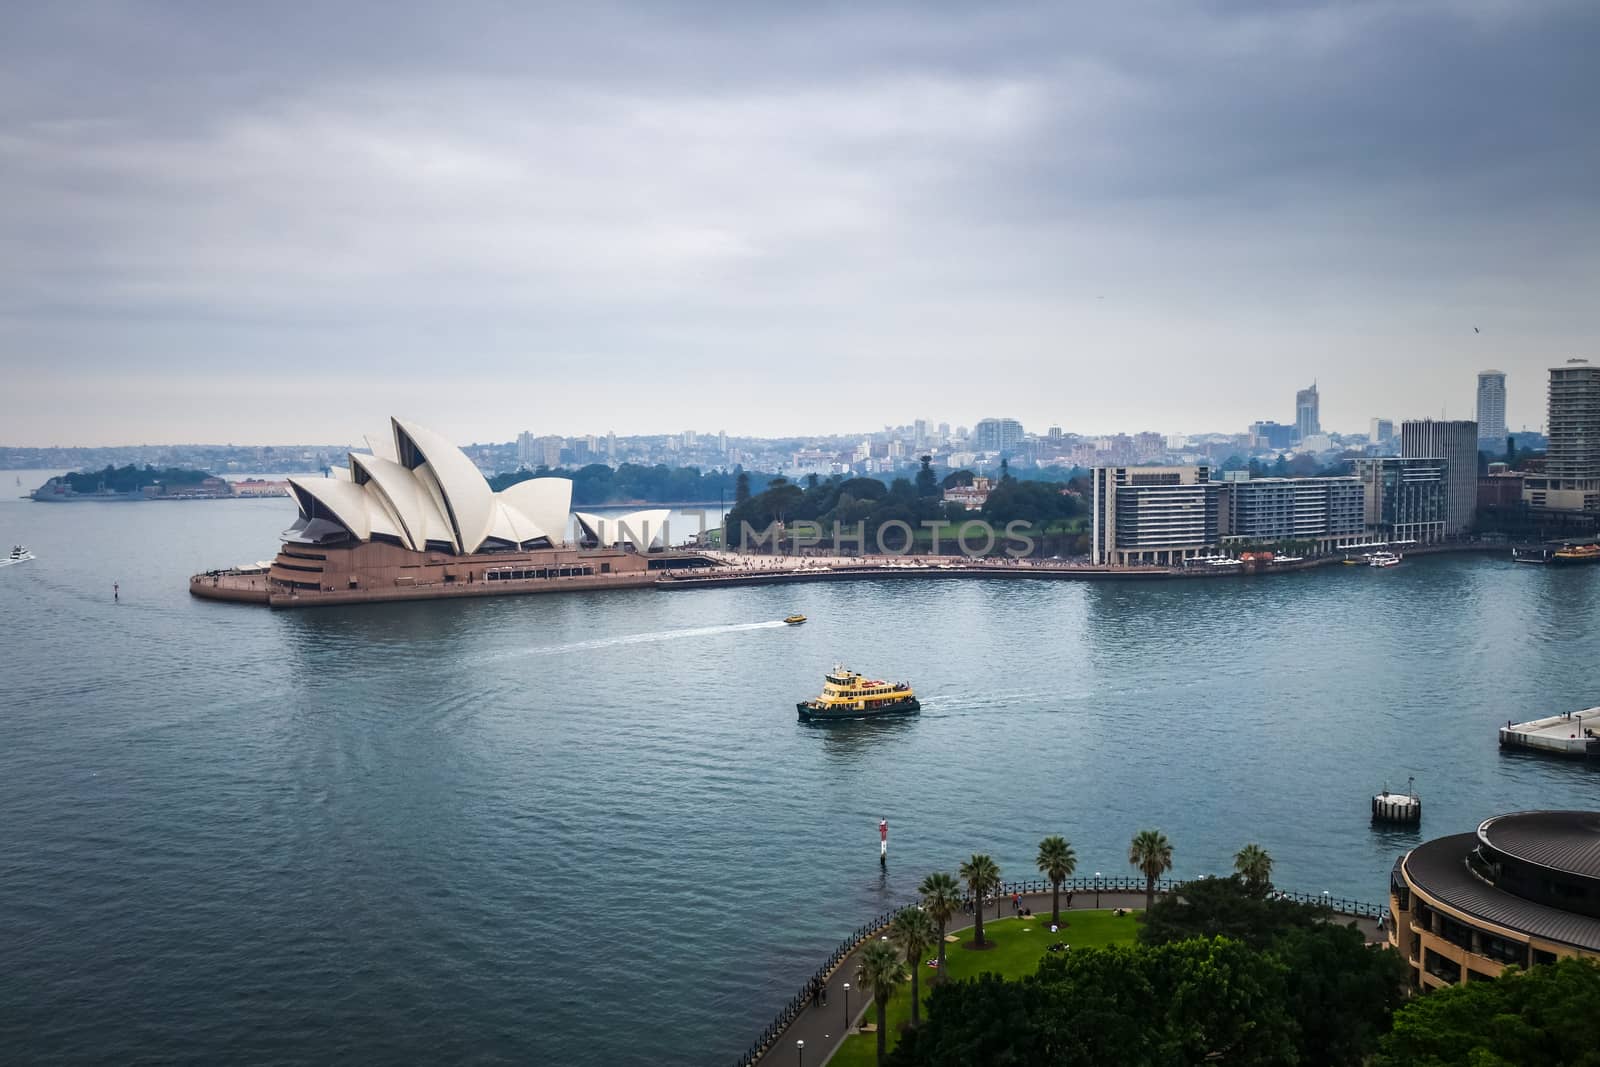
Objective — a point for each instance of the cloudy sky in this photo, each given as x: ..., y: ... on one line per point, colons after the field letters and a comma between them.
x: 283, y: 222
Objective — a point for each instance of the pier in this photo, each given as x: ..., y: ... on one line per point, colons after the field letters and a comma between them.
x: 1575, y: 735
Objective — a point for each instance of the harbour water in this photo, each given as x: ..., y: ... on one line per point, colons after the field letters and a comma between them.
x: 587, y: 828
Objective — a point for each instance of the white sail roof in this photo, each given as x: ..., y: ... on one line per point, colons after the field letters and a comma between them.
x: 420, y: 491
x: 643, y: 529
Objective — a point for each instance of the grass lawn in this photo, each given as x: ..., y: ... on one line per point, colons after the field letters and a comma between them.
x: 1019, y: 945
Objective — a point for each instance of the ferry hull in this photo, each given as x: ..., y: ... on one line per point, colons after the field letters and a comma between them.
x: 808, y: 713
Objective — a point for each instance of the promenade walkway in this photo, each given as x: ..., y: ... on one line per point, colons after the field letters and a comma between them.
x: 826, y: 1021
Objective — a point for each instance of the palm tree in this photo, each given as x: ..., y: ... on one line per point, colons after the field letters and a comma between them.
x: 913, y: 930
x: 941, y: 896
x: 1056, y: 862
x: 1151, y: 852
x: 982, y: 875
x: 879, y: 970
x: 1254, y: 864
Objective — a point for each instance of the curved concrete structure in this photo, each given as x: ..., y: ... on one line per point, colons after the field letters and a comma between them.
x: 419, y: 492
x: 649, y: 526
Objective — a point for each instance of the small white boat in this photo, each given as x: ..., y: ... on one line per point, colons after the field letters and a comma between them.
x: 1384, y: 559
x: 19, y: 554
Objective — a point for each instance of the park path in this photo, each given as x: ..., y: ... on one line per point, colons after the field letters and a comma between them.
x: 822, y: 1027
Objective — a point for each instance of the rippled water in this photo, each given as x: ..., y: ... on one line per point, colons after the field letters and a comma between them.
x: 587, y: 827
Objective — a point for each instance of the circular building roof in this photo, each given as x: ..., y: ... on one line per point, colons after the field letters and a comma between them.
x: 1566, y: 841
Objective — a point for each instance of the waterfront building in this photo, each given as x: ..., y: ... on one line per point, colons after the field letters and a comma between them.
x: 1152, y: 515
x: 1456, y: 442
x: 1307, y: 413
x: 1326, y: 511
x: 415, y: 518
x: 1403, y: 499
x: 1500, y: 489
x: 1381, y: 432
x: 1571, y: 478
x: 1523, y: 890
x: 1492, y: 410
x: 996, y: 435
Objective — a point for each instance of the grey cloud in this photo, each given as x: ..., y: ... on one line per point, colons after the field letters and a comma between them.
x: 894, y: 196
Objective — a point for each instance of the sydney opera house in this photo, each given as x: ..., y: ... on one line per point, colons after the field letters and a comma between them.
x: 414, y: 518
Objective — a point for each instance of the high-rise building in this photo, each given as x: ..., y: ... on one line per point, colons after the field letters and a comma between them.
x: 722, y: 442
x: 1152, y: 515
x: 1381, y: 432
x: 547, y: 451
x: 1307, y: 413
x: 919, y: 434
x: 1455, y: 442
x: 1492, y: 409
x: 1403, y: 499
x: 526, y: 454
x: 611, y: 445
x: 1269, y: 434
x: 1572, y: 459
x: 996, y: 435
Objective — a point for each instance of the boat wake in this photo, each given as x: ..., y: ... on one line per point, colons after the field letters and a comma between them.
x: 642, y: 639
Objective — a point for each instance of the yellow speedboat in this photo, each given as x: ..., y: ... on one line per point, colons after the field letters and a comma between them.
x: 795, y: 620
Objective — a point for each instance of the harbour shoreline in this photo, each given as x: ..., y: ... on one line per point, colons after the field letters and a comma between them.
x: 732, y: 569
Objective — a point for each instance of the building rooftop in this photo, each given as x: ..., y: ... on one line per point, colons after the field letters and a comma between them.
x: 1439, y: 868
x: 1566, y: 841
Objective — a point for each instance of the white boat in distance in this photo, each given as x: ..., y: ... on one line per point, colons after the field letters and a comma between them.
x: 1384, y: 559
x: 19, y: 554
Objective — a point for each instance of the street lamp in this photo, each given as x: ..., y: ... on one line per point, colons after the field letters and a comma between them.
x: 847, y: 1007
x: 800, y: 1047
x: 1096, y: 890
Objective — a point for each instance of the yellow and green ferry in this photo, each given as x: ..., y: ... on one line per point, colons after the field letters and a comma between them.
x: 846, y: 694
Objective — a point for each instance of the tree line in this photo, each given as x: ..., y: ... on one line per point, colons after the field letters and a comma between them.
x: 862, y: 504
x: 130, y: 479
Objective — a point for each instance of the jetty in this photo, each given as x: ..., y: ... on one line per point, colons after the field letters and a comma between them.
x: 1575, y: 734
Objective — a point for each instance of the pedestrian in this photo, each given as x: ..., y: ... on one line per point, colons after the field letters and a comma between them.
x: 1069, y: 899
x: 823, y: 993
x: 116, y: 592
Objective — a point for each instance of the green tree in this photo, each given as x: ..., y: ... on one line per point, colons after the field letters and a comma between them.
x: 1254, y: 864
x: 1056, y: 861
x: 941, y: 896
x: 1544, y: 1016
x: 741, y: 488
x: 1339, y: 991
x: 1151, y: 852
x: 1223, y: 907
x: 957, y: 478
x: 1005, y: 469
x: 982, y: 876
x: 879, y: 970
x: 927, y: 483
x: 1189, y: 1003
x: 914, y: 931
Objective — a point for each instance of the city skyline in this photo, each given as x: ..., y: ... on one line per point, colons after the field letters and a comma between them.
x: 280, y: 228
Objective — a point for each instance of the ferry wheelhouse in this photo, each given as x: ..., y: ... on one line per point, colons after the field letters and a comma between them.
x: 846, y: 694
